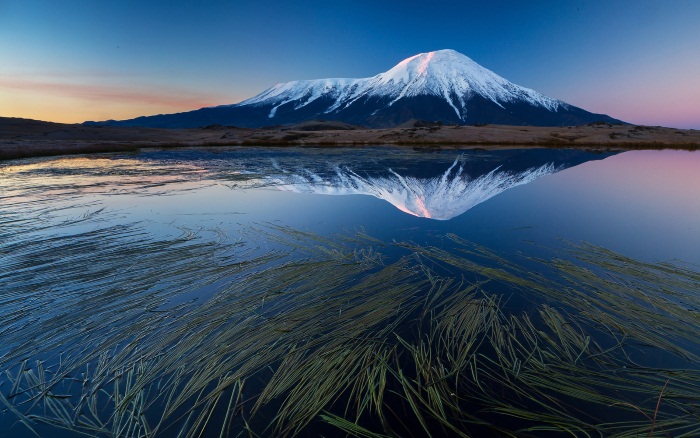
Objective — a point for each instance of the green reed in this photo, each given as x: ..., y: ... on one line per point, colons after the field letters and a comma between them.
x: 110, y: 331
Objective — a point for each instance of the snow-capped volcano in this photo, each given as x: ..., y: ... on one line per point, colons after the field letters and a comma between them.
x: 444, y: 86
x: 445, y: 74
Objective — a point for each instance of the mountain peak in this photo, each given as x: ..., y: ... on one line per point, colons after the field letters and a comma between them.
x: 430, y: 63
x: 456, y: 78
x: 437, y: 56
x: 443, y: 85
x: 446, y: 74
x: 442, y: 56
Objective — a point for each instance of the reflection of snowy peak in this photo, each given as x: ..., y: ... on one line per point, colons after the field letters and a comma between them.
x: 437, y: 184
x: 442, y: 197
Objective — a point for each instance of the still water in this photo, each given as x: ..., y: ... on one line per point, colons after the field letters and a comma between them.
x: 353, y: 291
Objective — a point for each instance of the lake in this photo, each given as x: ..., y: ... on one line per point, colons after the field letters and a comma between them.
x: 351, y: 291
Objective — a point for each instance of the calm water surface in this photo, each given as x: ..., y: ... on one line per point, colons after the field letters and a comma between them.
x: 109, y: 260
x: 644, y: 204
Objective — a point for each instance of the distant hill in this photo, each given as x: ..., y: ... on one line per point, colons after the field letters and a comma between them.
x: 442, y: 86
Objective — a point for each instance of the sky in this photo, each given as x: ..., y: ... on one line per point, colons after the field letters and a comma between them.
x: 71, y: 60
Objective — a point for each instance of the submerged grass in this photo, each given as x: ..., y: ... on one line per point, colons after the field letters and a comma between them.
x: 110, y: 331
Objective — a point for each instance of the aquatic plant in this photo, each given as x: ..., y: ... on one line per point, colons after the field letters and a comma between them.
x: 111, y: 331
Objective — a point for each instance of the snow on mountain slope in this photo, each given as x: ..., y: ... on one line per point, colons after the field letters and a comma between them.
x: 444, y: 73
x: 442, y: 86
x: 443, y: 197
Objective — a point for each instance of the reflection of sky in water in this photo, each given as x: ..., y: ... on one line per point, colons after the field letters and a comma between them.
x: 641, y: 204
x: 644, y: 204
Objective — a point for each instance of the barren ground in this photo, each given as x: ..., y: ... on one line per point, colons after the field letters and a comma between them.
x: 26, y: 138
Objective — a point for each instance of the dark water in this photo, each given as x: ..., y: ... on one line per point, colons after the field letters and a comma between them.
x: 108, y: 263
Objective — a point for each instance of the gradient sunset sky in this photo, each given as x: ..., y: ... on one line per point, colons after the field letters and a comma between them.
x: 71, y: 61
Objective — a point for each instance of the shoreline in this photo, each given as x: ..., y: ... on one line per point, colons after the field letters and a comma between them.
x: 23, y: 138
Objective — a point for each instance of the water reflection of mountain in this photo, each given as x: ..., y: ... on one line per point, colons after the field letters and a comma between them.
x: 440, y: 185
x: 442, y: 197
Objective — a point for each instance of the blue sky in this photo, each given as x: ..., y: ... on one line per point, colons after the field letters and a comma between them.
x: 72, y: 61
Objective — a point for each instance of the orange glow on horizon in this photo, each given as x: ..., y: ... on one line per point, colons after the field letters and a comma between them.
x: 75, y: 103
